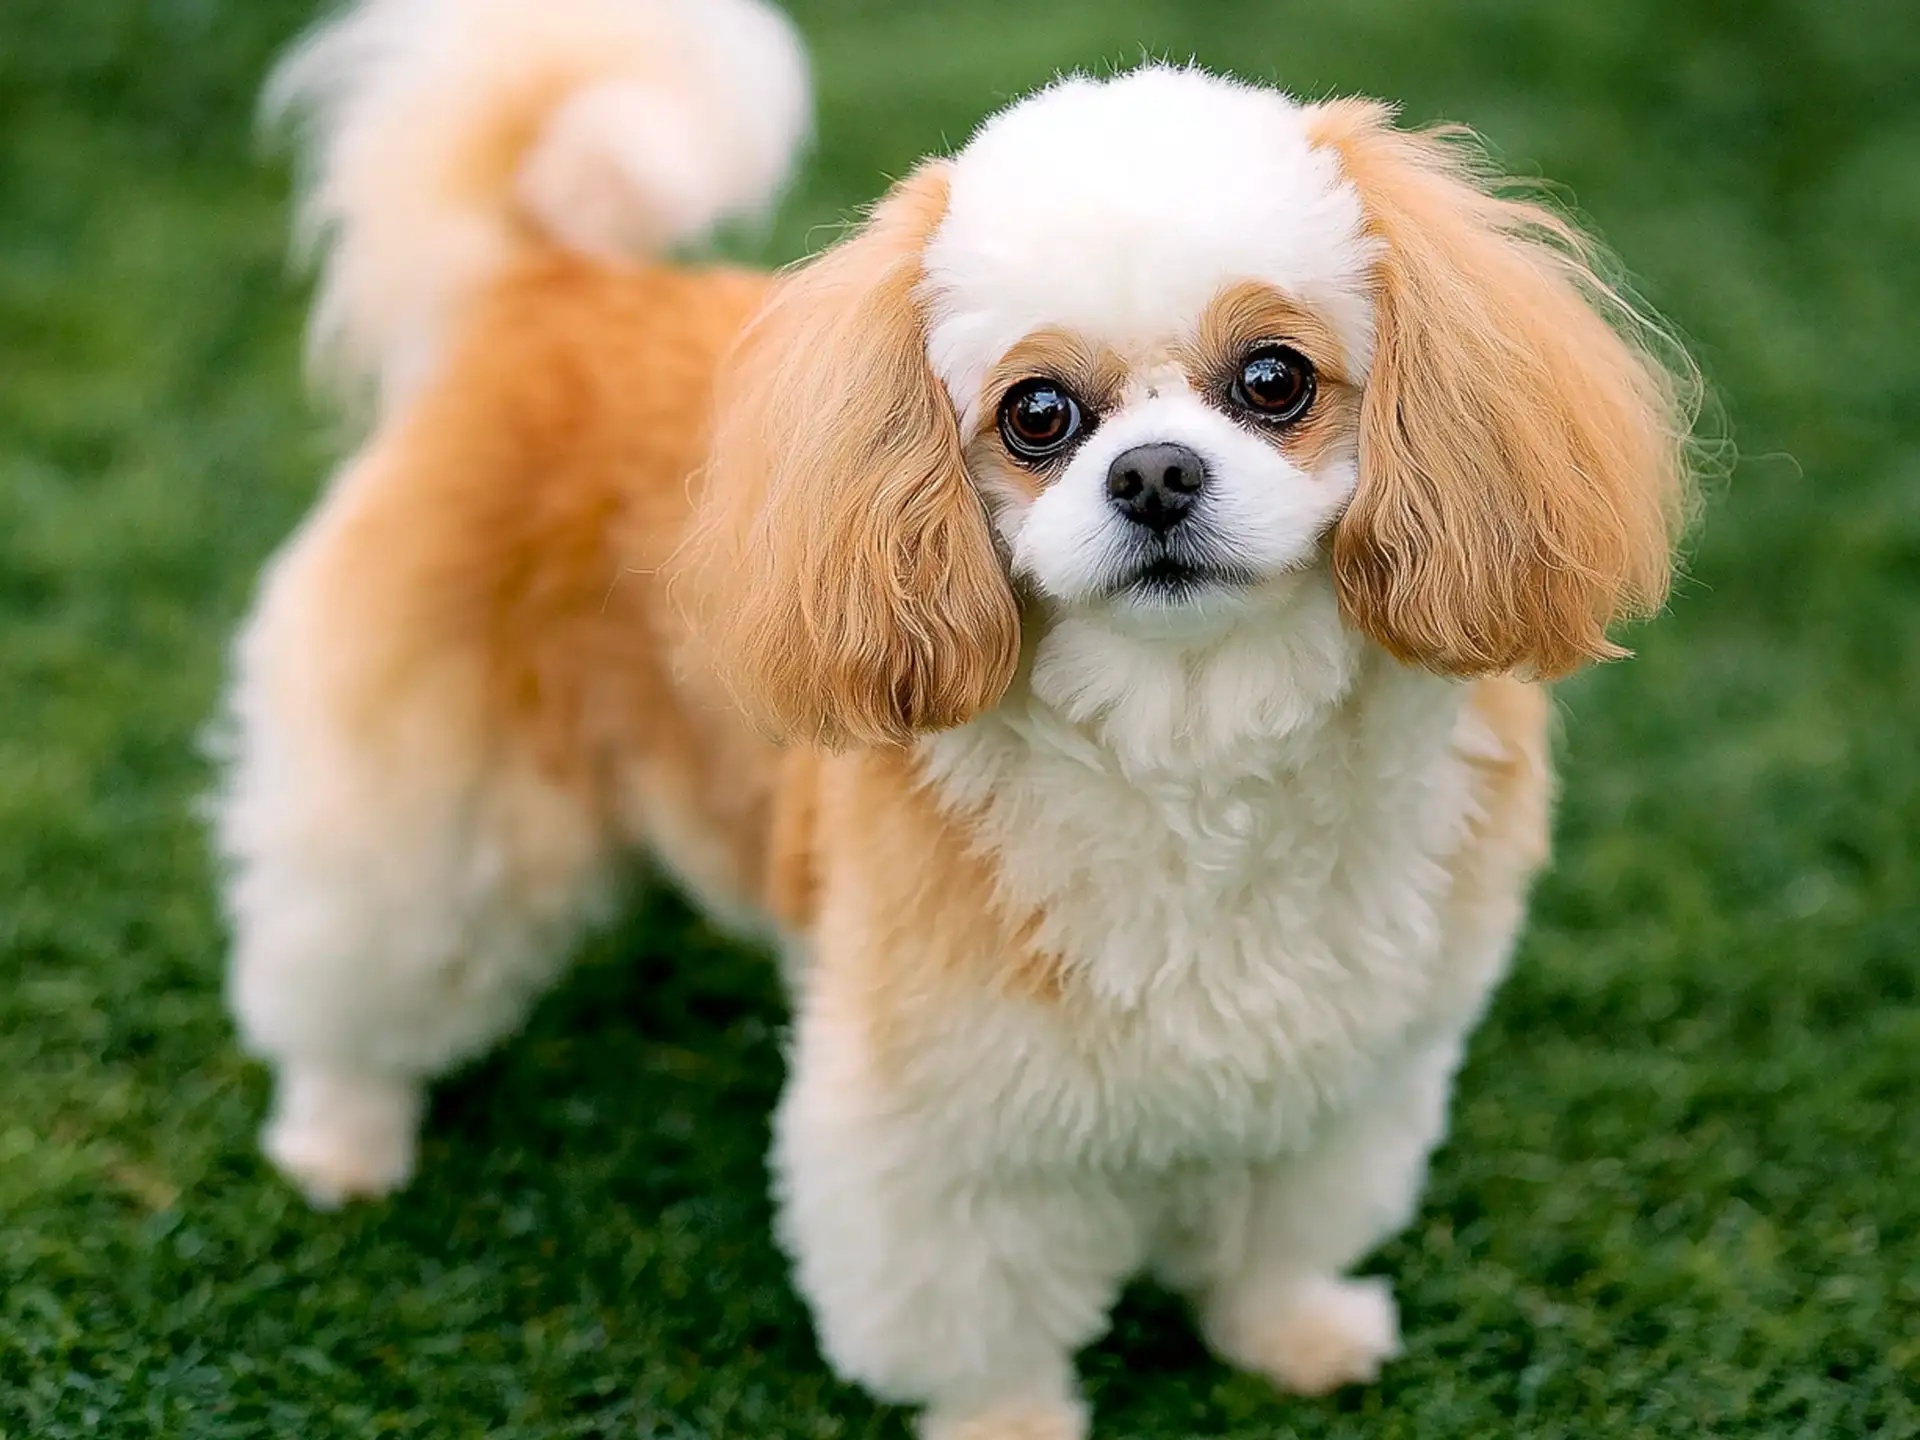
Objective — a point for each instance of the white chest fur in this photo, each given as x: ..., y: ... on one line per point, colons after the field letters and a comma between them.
x: 1241, y: 859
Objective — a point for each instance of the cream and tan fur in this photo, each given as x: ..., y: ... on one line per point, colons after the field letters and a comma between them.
x: 1131, y: 928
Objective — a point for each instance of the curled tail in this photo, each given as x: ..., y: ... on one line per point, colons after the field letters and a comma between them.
x: 445, y: 139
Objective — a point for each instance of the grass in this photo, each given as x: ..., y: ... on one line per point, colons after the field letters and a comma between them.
x: 1682, y: 1194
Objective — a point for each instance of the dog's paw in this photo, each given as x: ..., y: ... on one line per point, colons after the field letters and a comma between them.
x: 1029, y: 1420
x: 340, y: 1138
x: 1319, y: 1336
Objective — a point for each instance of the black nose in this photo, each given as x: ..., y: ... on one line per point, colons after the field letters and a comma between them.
x: 1154, y: 485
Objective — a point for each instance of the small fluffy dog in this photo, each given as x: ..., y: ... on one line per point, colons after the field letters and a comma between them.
x: 1091, y: 619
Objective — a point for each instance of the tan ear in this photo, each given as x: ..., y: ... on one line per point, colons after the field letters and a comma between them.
x: 1522, y: 451
x: 841, y: 566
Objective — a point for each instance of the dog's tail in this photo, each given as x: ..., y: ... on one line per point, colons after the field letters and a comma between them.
x: 444, y: 140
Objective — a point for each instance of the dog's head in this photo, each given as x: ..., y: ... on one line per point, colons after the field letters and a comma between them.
x: 1146, y: 351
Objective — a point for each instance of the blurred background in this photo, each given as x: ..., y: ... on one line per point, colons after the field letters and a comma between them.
x: 1682, y: 1192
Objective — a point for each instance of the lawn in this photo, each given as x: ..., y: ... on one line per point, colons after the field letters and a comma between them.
x: 1682, y: 1197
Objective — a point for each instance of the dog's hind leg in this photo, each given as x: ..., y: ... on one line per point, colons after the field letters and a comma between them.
x: 412, y: 838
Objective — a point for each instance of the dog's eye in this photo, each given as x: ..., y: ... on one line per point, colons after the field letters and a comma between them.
x: 1039, y: 418
x: 1275, y: 383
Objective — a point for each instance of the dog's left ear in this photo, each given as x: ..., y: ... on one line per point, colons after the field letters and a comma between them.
x: 841, y: 567
x: 1522, y: 452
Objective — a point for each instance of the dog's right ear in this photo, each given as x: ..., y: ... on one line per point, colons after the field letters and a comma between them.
x: 840, y: 568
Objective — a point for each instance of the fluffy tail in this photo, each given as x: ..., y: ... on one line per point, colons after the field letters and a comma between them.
x: 444, y: 139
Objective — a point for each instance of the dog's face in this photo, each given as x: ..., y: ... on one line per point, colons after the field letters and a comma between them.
x: 1148, y: 301
x: 1142, y: 351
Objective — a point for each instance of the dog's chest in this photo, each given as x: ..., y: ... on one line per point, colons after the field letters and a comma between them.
x: 1237, y: 941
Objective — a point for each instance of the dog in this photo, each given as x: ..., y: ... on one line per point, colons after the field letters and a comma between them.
x: 1092, y: 621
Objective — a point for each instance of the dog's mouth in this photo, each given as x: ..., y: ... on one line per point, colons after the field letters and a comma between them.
x: 1167, y: 579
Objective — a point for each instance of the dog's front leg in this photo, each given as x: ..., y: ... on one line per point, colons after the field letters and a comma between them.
x: 934, y: 1279
x: 1278, y: 1301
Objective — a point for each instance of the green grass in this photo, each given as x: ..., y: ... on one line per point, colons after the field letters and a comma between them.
x: 1682, y: 1192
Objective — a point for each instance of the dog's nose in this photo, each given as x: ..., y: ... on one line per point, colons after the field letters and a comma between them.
x: 1154, y: 485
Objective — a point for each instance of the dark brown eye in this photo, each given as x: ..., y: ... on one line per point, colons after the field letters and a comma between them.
x: 1275, y: 383
x: 1039, y: 418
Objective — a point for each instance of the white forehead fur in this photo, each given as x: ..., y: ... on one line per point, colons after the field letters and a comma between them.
x: 1118, y: 208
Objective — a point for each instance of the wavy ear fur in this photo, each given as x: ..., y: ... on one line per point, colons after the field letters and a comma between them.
x: 842, y: 569
x: 1522, y: 450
